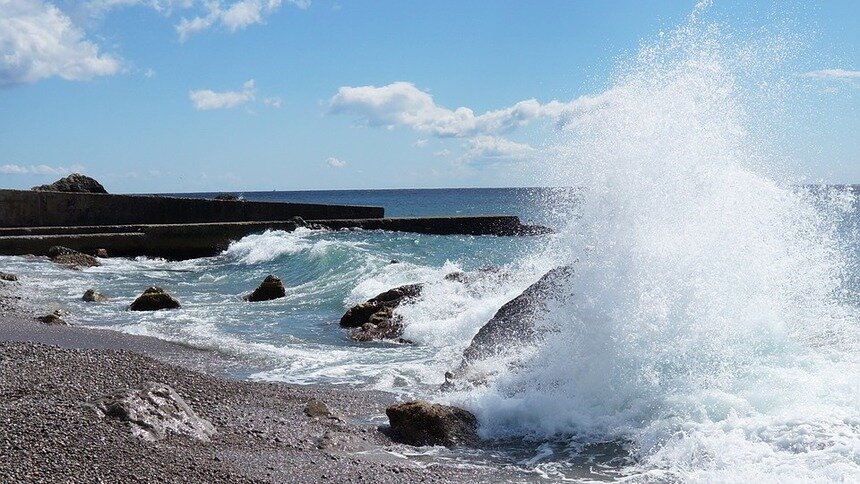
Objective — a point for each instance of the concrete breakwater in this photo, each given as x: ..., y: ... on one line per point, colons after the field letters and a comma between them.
x: 182, y: 228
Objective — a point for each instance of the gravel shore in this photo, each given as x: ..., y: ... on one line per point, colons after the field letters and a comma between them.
x: 48, y: 374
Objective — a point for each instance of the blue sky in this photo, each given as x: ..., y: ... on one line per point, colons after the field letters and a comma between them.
x: 185, y: 95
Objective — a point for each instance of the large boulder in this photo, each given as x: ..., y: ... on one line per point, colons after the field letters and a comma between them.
x: 73, y: 183
x: 91, y: 295
x: 270, y: 288
x: 153, y: 299
x: 374, y: 319
x: 513, y: 325
x: 423, y: 423
x: 152, y: 412
x: 5, y: 276
x: 71, y: 258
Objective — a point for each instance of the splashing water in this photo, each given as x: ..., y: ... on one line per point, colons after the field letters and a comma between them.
x: 705, y: 329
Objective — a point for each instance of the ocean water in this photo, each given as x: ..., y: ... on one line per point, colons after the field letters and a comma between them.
x: 710, y: 333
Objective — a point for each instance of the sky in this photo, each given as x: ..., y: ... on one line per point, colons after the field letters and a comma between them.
x: 153, y: 96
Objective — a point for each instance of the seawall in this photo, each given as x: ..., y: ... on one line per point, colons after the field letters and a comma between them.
x: 24, y: 208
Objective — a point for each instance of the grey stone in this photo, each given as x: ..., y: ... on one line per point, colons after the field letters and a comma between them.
x: 93, y: 296
x: 270, y: 288
x: 73, y: 183
x: 154, y: 299
x: 153, y: 412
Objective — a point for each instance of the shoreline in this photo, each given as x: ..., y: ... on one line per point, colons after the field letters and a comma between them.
x: 48, y: 373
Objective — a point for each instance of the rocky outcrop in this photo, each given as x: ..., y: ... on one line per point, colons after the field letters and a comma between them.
x: 374, y: 319
x: 270, y: 288
x: 73, y: 183
x: 153, y: 412
x: 54, y: 319
x: 71, y: 258
x: 153, y: 299
x: 513, y: 325
x: 423, y: 423
x: 102, y: 253
x: 227, y: 197
x: 5, y: 276
x: 91, y: 295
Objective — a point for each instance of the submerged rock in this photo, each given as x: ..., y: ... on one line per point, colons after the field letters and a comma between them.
x: 91, y: 295
x: 5, y: 276
x: 152, y: 412
x: 513, y: 325
x: 153, y: 299
x: 374, y: 319
x: 73, y: 183
x: 423, y: 423
x: 54, y: 319
x: 71, y: 258
x: 102, y: 253
x: 270, y: 288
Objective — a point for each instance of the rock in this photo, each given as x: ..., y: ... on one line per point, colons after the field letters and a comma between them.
x: 317, y: 408
x: 226, y: 197
x: 5, y: 276
x: 457, y: 276
x: 102, y: 253
x: 375, y: 318
x: 73, y: 183
x: 152, y: 412
x: 512, y: 326
x: 71, y: 258
x: 54, y: 319
x: 153, y: 299
x: 423, y: 423
x: 270, y: 288
x: 92, y: 296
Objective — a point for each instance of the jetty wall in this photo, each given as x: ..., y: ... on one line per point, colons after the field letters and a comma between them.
x: 25, y: 208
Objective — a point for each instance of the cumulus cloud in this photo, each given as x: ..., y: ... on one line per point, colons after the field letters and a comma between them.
x: 38, y: 41
x: 491, y: 148
x: 403, y: 104
x: 335, y: 163
x: 274, y: 101
x: 833, y: 74
x: 420, y: 143
x: 11, y: 169
x: 232, y: 16
x: 206, y: 99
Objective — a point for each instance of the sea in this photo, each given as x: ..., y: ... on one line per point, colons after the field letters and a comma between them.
x: 710, y: 332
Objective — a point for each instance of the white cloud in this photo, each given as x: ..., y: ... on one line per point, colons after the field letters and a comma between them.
x: 491, y: 148
x: 335, y: 163
x: 233, y: 16
x: 833, y: 74
x: 274, y: 101
x: 206, y: 99
x: 38, y: 41
x: 403, y: 104
x: 443, y: 153
x: 420, y: 143
x: 11, y: 169
x: 149, y: 73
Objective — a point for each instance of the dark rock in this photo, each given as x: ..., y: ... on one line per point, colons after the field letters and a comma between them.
x: 92, y: 296
x: 153, y: 299
x: 423, y: 423
x: 270, y: 288
x: 152, y: 412
x: 54, y: 319
x: 73, y: 183
x: 317, y: 408
x: 71, y: 258
x: 513, y: 324
x: 375, y: 318
x: 226, y: 197
x: 5, y: 276
x: 457, y: 276
x: 102, y: 253
x: 394, y: 261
